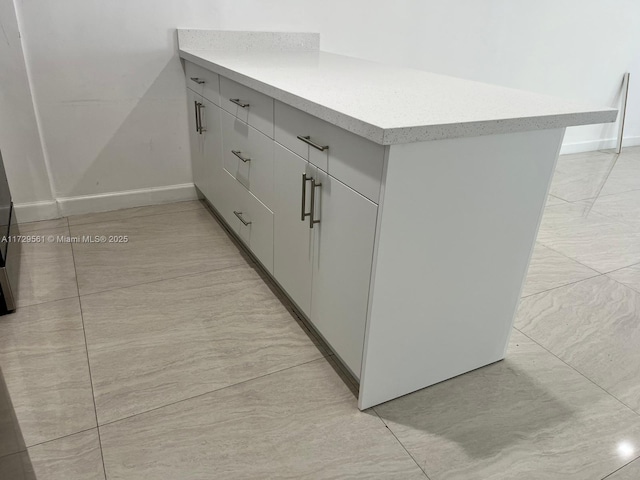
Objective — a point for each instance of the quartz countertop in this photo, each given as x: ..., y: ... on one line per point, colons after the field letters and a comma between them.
x: 385, y: 104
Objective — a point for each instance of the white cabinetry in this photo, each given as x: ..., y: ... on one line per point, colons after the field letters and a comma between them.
x: 323, y: 250
x: 205, y: 140
x: 293, y: 239
x: 343, y: 253
x: 428, y: 195
x: 313, y: 232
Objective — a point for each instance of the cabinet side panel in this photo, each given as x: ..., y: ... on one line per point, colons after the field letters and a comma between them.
x: 458, y: 224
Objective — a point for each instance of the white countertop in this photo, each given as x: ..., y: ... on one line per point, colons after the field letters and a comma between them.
x: 390, y: 105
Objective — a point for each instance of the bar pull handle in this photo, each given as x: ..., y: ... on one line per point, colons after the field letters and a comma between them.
x: 199, y: 81
x: 307, y: 139
x: 239, y: 215
x: 238, y: 154
x: 312, y: 213
x: 238, y: 102
x: 199, y: 107
x: 305, y: 179
x: 195, y: 109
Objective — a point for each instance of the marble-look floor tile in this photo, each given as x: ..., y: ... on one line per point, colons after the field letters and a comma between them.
x: 158, y: 247
x: 299, y: 423
x: 528, y: 417
x: 592, y: 325
x: 625, y: 175
x: 622, y: 206
x: 47, y: 270
x: 628, y: 472
x: 32, y: 227
x: 630, y: 276
x: 134, y: 212
x: 581, y: 176
x: 549, y: 269
x: 76, y: 457
x: 596, y: 241
x: 158, y: 343
x: 11, y: 440
x: 44, y: 364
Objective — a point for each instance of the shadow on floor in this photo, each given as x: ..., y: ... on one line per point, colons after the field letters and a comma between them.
x: 14, y: 458
x: 484, y: 411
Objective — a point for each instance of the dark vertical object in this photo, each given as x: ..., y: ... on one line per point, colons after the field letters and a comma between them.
x: 9, y: 251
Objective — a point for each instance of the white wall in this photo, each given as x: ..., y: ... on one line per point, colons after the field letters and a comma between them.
x: 109, y: 87
x: 110, y: 91
x: 575, y: 49
x: 19, y: 138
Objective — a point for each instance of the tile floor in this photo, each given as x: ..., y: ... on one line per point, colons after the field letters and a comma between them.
x: 172, y: 357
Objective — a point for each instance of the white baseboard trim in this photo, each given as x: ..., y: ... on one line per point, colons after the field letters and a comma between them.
x: 603, y: 144
x: 36, y: 211
x: 105, y: 202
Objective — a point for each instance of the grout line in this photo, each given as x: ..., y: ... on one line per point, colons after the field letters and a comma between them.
x: 622, y: 268
x: 570, y: 258
x: 563, y: 285
x: 622, y: 284
x: 47, y: 301
x: 617, y: 470
x: 135, y: 216
x: 209, y: 392
x: 86, y: 348
x: 398, y: 440
x: 27, y: 447
x: 578, y: 371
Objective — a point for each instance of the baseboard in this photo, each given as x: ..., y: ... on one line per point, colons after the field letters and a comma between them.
x: 36, y: 211
x: 105, y: 202
x: 603, y: 144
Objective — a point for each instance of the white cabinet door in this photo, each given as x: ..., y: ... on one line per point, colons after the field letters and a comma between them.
x: 196, y: 139
x: 293, y: 239
x: 210, y: 173
x: 342, y: 267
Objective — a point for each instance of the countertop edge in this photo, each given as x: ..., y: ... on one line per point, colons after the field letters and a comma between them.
x: 411, y: 134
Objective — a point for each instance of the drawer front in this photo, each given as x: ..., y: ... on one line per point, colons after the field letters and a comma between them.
x: 230, y: 199
x: 250, y: 106
x: 248, y: 156
x: 203, y: 81
x: 289, y: 123
x: 258, y: 233
x: 249, y: 218
x: 352, y: 159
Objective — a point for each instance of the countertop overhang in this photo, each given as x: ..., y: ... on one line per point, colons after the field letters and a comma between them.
x: 385, y: 104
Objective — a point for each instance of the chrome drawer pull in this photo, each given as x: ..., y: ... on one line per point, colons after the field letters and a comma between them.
x: 197, y: 80
x: 305, y: 179
x: 238, y: 154
x: 239, y: 215
x: 238, y: 102
x: 195, y: 108
x: 313, y: 203
x: 307, y: 139
x: 199, y: 107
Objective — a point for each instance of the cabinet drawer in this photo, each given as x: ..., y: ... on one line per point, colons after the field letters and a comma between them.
x: 258, y: 234
x: 203, y: 82
x: 248, y: 156
x: 230, y: 199
x: 250, y: 106
x: 352, y: 159
x: 250, y: 219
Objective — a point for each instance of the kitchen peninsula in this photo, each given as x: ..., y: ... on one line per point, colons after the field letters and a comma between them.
x: 398, y: 209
